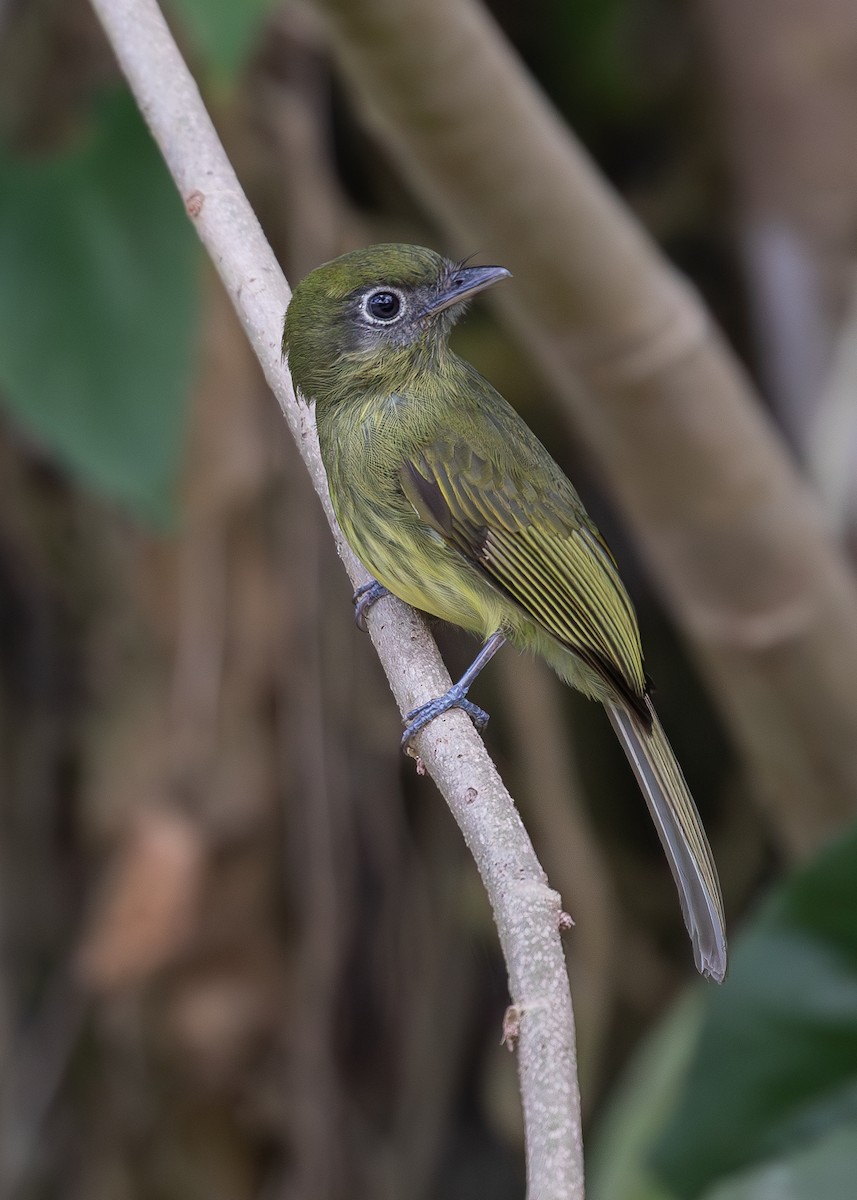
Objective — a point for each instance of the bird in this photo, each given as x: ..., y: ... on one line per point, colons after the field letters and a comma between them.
x: 454, y: 506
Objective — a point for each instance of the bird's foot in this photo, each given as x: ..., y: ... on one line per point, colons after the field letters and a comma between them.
x: 364, y: 598
x: 456, y: 697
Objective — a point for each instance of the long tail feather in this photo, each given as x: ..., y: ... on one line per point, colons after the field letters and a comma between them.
x: 682, y: 836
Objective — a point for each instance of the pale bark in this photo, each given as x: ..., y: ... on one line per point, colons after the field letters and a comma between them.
x: 730, y: 532
x: 527, y: 911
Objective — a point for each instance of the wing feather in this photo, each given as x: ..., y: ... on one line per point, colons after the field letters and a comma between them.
x: 538, y: 548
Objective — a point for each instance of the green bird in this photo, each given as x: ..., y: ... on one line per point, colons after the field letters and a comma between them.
x: 453, y: 505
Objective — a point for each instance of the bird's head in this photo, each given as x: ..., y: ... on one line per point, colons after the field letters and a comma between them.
x: 371, y: 314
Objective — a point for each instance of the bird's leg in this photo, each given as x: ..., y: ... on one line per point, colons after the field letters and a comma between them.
x: 456, y: 697
x: 363, y: 599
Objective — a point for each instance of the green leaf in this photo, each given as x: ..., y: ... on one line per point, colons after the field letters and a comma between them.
x: 776, y: 1064
x: 826, y: 1171
x: 223, y: 31
x: 98, y: 306
x: 617, y: 1166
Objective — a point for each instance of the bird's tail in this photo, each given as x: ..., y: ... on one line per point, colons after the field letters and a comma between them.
x: 682, y: 836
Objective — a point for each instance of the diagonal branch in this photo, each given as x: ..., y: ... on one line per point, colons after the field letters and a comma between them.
x: 527, y: 912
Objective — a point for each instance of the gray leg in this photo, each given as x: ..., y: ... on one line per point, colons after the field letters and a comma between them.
x: 364, y: 598
x: 456, y: 697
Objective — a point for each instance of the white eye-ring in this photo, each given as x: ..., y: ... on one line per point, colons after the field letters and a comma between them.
x: 384, y: 306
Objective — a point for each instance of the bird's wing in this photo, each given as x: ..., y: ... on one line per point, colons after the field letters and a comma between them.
x: 537, y: 546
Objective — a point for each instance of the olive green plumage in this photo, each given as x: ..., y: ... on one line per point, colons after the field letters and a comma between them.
x: 454, y: 506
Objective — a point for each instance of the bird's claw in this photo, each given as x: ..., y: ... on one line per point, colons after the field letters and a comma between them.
x: 363, y: 598
x: 418, y: 718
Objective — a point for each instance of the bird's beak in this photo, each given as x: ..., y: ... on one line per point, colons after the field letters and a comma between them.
x: 466, y: 282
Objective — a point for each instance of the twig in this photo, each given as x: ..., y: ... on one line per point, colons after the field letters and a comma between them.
x: 551, y: 796
x: 525, y: 908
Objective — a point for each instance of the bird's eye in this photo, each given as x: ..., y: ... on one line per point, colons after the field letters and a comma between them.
x: 383, y: 306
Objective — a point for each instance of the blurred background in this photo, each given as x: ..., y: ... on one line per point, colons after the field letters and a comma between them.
x: 244, y: 952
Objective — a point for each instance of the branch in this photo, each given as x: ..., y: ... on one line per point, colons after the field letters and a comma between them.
x: 833, y: 445
x: 527, y: 912
x: 730, y: 531
x: 787, y: 121
x: 552, y: 799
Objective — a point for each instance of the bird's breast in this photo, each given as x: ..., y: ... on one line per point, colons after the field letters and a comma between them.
x: 363, y: 453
